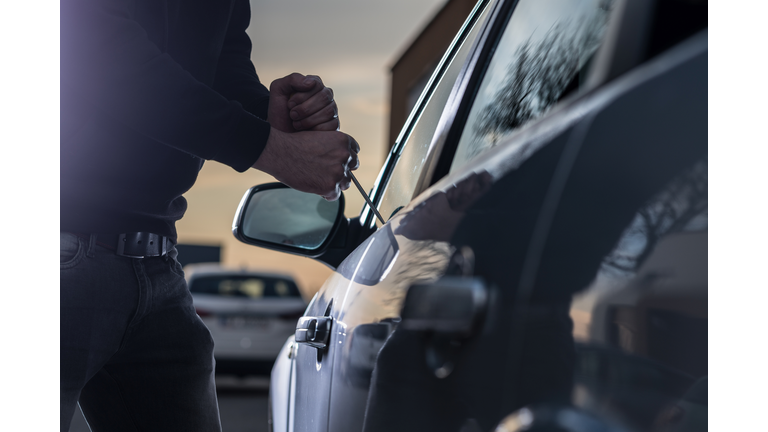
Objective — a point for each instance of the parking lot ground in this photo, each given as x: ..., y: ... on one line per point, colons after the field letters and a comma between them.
x: 242, y: 405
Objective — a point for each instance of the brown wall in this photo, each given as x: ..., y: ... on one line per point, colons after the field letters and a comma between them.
x: 419, y: 60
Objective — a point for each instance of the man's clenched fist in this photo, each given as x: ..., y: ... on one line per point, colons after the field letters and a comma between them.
x: 302, y: 103
x: 314, y: 162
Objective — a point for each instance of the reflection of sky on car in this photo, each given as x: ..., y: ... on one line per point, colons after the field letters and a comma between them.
x: 379, y: 293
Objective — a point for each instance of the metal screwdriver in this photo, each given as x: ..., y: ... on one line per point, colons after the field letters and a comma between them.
x: 368, y: 200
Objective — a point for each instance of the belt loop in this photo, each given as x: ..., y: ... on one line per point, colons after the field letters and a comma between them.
x: 91, y: 246
x: 164, y: 248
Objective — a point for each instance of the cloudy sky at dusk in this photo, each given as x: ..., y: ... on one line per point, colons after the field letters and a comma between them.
x: 351, y: 45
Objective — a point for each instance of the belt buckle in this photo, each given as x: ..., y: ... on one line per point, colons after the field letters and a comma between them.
x: 135, y: 245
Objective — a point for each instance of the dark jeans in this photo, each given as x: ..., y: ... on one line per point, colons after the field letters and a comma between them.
x: 133, y: 351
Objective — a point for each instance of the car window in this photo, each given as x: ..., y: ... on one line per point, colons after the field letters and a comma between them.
x: 543, y: 55
x: 244, y: 286
x: 412, y: 158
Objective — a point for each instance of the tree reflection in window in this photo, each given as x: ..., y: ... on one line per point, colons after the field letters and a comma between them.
x: 681, y: 207
x: 540, y: 69
x: 538, y: 75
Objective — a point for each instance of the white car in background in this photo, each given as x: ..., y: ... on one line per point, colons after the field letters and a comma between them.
x: 249, y: 314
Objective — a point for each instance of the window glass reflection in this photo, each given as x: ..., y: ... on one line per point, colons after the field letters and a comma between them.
x: 543, y: 55
x: 412, y: 159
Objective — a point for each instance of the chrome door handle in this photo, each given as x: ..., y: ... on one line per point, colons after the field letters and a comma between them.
x: 314, y: 331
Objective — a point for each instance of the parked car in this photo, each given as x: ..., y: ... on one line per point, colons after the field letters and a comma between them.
x: 543, y: 265
x: 248, y: 313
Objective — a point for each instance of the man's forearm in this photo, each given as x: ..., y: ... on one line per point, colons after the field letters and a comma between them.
x: 108, y: 63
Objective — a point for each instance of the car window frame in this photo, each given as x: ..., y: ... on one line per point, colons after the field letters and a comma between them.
x: 465, y: 89
x: 367, y: 218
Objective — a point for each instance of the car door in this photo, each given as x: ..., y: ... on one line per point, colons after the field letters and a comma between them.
x: 317, y: 392
x: 466, y: 190
x: 415, y: 245
x: 556, y: 198
x: 626, y: 240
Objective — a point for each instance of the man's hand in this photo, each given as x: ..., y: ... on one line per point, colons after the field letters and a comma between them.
x: 314, y: 162
x: 302, y: 103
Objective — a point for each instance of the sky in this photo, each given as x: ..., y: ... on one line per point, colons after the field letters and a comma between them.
x: 351, y: 45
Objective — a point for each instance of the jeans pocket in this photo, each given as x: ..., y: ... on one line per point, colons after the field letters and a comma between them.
x: 72, y: 250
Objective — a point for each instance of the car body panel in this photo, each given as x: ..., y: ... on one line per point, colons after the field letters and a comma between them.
x: 515, y: 208
x: 428, y: 260
x: 280, y: 394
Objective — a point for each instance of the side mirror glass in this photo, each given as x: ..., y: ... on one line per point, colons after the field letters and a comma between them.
x: 277, y: 217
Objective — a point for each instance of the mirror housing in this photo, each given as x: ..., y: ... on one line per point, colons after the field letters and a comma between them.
x: 277, y: 217
x: 272, y: 216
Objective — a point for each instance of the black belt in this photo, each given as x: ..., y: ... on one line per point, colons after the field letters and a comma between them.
x: 133, y: 245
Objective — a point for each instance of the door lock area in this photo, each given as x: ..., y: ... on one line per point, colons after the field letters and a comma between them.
x: 314, y: 331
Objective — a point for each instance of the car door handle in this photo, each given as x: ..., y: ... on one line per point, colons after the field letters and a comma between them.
x: 314, y: 331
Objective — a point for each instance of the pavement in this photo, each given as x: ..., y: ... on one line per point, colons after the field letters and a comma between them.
x: 242, y: 405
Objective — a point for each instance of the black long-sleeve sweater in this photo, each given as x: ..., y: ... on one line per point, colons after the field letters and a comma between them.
x: 149, y: 90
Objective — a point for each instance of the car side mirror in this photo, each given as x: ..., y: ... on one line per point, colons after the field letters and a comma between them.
x: 276, y: 217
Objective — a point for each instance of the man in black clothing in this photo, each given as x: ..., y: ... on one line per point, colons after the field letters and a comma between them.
x: 149, y: 90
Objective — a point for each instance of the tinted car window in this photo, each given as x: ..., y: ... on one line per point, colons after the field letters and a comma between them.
x: 244, y: 286
x: 543, y: 55
x: 411, y: 160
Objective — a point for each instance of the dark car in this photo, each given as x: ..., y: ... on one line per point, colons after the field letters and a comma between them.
x: 543, y: 265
